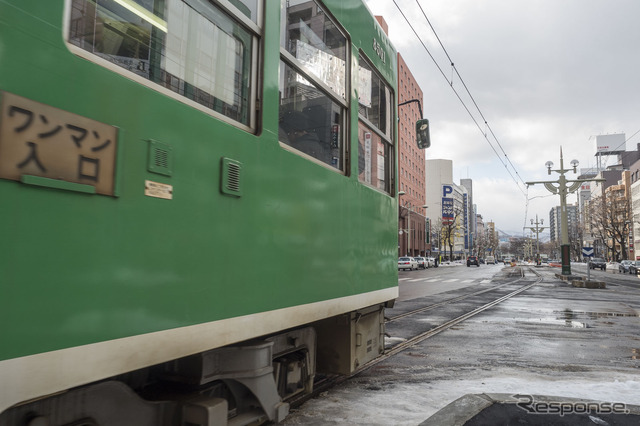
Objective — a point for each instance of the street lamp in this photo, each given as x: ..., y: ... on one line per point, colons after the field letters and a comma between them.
x: 562, y: 189
x: 409, y: 210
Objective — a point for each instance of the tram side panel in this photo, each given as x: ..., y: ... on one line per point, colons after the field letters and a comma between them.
x: 169, y: 255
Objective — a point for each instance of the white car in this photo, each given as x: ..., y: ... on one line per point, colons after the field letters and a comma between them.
x: 422, y: 262
x: 407, y: 262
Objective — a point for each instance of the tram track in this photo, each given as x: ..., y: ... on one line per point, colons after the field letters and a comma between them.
x: 447, y: 302
x: 331, y: 381
x: 448, y: 324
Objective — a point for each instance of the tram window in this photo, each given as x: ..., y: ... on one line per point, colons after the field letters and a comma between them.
x: 309, y: 34
x: 375, y: 129
x: 248, y: 7
x: 374, y: 99
x: 373, y: 158
x: 190, y: 47
x: 310, y: 121
x: 313, y: 86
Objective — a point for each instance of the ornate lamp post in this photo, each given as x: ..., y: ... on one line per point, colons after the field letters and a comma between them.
x: 537, y: 230
x: 562, y: 189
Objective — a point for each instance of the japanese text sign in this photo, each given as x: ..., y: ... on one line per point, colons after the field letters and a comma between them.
x: 40, y: 140
x: 447, y: 211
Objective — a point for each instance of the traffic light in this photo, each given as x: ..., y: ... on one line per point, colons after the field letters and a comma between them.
x: 422, y: 133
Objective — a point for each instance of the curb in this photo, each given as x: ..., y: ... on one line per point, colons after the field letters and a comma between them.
x: 533, y: 410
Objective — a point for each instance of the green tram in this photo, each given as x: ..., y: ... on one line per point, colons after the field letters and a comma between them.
x: 198, y: 209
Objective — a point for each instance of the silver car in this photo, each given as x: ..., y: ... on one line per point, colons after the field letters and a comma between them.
x: 623, y: 266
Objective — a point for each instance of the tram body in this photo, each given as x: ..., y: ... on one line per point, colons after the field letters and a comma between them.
x: 161, y: 223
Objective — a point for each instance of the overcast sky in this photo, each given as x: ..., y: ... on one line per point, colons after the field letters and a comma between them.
x: 544, y: 74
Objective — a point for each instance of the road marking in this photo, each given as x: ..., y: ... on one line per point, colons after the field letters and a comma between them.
x: 485, y: 281
x: 468, y: 281
x: 452, y: 280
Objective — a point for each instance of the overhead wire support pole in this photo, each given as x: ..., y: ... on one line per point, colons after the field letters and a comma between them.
x: 562, y: 189
x: 537, y: 230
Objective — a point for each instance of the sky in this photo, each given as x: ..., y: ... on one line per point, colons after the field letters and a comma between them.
x: 545, y: 75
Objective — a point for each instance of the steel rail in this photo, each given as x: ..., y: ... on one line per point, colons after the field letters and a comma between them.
x: 442, y: 327
x: 446, y: 302
x: 331, y: 381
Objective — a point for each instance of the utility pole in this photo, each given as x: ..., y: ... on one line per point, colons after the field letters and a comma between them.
x: 537, y: 230
x: 562, y: 189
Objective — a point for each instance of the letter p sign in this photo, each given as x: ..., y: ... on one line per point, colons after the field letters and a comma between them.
x: 446, y: 190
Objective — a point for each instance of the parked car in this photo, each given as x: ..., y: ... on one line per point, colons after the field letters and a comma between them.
x: 634, y: 267
x: 623, y: 266
x: 432, y: 262
x: 472, y: 260
x: 422, y: 262
x: 407, y: 263
x: 598, y: 262
x: 491, y: 260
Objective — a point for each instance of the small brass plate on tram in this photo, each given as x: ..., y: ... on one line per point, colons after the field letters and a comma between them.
x: 47, y: 142
x: 158, y: 190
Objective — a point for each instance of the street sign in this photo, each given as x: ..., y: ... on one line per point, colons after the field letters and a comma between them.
x: 587, y: 251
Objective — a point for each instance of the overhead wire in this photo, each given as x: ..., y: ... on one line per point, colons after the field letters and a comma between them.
x: 473, y: 118
x: 454, y: 68
x: 486, y: 123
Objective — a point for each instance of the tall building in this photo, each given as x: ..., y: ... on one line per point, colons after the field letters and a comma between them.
x: 447, y: 201
x: 635, y: 209
x: 412, y: 221
x: 470, y: 217
x: 555, y: 222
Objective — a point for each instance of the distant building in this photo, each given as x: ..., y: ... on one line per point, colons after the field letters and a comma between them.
x: 412, y: 221
x: 470, y: 215
x: 555, y: 222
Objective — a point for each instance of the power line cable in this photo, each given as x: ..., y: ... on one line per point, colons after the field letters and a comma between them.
x: 453, y: 66
x: 455, y: 69
x: 473, y: 118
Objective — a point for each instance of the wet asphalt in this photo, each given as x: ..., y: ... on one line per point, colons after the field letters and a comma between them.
x: 553, y: 339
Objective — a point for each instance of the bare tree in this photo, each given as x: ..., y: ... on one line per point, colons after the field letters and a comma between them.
x: 610, y: 220
x: 575, y: 241
x: 449, y: 229
x: 480, y: 244
x: 436, y: 234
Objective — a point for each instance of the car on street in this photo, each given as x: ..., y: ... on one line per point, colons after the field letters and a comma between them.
x: 623, y: 266
x: 598, y: 262
x: 422, y: 262
x: 634, y: 267
x: 432, y: 262
x: 472, y: 260
x: 407, y: 262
